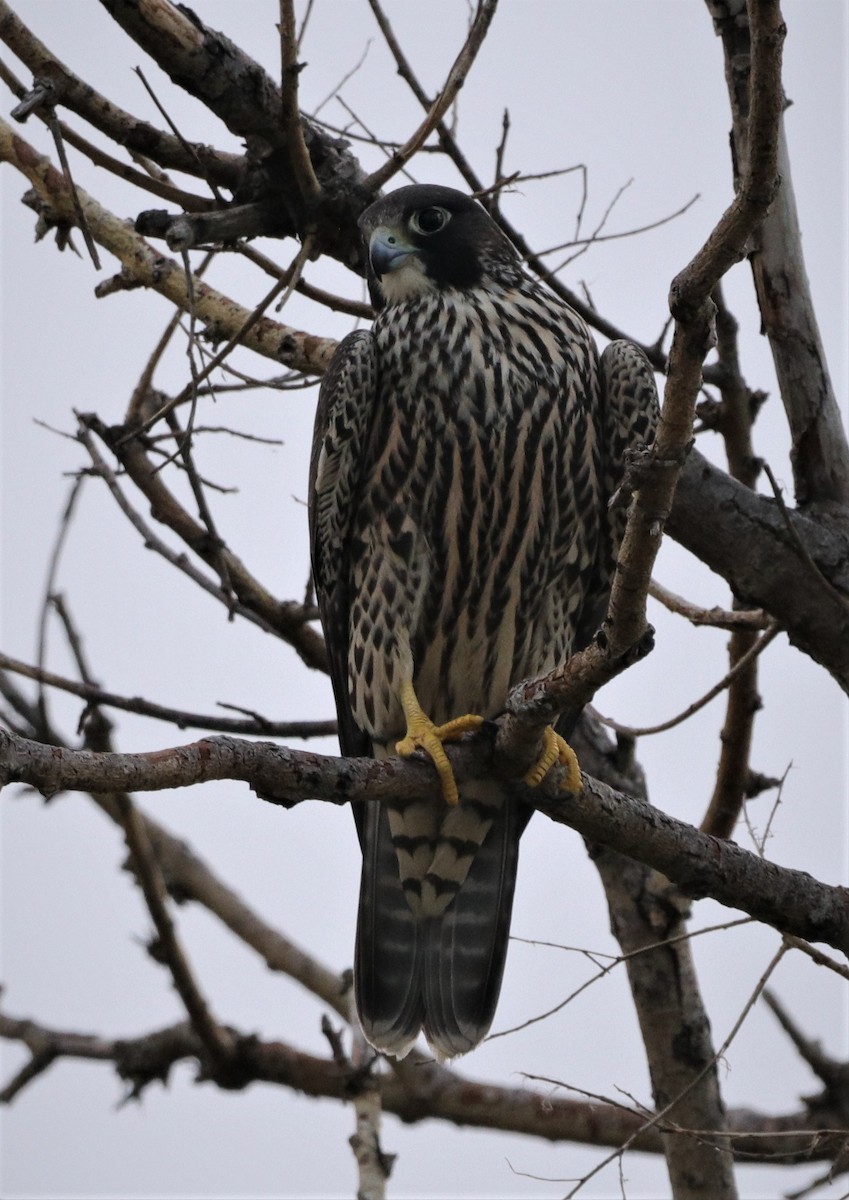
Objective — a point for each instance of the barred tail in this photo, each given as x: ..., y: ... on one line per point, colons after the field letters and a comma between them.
x: 465, y: 948
x: 389, y: 942
x: 440, y: 972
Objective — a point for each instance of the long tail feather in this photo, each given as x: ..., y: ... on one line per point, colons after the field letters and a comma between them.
x: 465, y: 948
x: 438, y: 972
x: 386, y: 971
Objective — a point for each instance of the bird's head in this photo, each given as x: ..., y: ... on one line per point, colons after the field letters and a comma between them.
x: 429, y: 238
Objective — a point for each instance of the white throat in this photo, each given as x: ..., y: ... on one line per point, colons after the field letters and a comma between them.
x: 407, y: 282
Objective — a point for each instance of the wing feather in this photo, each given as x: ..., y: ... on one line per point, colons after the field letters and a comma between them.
x: 389, y: 938
x: 628, y: 418
x: 343, y: 424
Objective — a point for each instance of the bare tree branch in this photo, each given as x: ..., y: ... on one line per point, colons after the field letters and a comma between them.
x: 463, y: 63
x: 148, y: 268
x: 94, y: 694
x: 718, y: 618
x: 423, y: 1090
x: 743, y: 702
x: 790, y: 900
x: 289, y: 620
x: 820, y: 450
x: 308, y: 185
x: 740, y: 667
x: 216, y: 1041
x: 73, y: 93
x: 743, y: 537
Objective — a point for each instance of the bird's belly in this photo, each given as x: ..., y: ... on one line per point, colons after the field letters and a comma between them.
x: 465, y: 603
x: 472, y: 548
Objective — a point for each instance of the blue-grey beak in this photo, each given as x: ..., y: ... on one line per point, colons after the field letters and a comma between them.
x: 388, y: 250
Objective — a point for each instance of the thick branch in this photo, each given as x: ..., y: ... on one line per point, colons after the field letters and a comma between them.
x: 701, y: 865
x: 75, y: 94
x: 206, y: 64
x: 209, y: 66
x: 648, y: 917
x: 744, y: 538
x: 733, y: 769
x: 308, y: 185
x: 644, y: 909
x: 820, y: 450
x: 820, y: 453
x: 145, y: 266
x: 759, y: 180
x: 237, y: 90
x: 427, y: 1091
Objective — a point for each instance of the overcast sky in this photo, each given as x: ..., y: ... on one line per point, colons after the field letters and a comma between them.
x: 635, y: 93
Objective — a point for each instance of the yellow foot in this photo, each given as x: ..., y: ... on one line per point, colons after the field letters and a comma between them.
x: 555, y: 749
x: 422, y: 734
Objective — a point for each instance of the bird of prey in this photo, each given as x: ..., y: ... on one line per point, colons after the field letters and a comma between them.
x: 465, y: 451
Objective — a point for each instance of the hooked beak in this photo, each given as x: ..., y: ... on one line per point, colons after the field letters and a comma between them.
x: 387, y: 250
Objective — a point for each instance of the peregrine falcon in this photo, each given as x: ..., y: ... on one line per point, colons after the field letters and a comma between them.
x: 465, y: 451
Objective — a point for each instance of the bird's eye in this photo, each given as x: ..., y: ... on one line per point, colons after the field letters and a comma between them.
x: 430, y: 220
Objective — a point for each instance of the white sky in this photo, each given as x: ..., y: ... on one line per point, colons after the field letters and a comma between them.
x: 634, y: 92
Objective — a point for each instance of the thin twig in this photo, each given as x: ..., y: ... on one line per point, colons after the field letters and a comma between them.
x: 817, y: 956
x: 354, y: 308
x: 142, y: 391
x: 598, y: 237
x: 187, y: 146
x: 53, y: 126
x: 585, y: 243
x: 772, y: 631
x: 150, y: 538
x: 798, y: 544
x: 659, y: 1117
x: 615, y: 961
x: 759, y: 842
x: 283, y: 287
x: 50, y: 586
x: 302, y: 167
x: 456, y: 78
x: 218, y: 1041
x: 500, y: 151
x: 94, y: 694
x: 719, y: 618
x: 388, y: 148
x: 338, y: 88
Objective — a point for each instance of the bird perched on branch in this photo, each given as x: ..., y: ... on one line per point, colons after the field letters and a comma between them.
x: 465, y: 450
